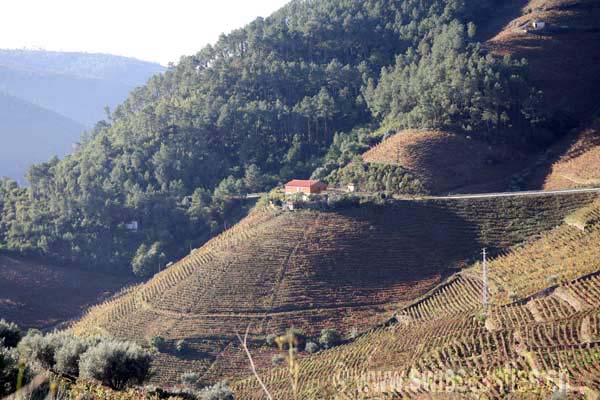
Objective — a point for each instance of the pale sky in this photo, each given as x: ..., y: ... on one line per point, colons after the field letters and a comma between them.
x: 152, y: 30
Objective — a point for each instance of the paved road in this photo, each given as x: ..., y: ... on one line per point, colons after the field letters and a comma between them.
x: 516, y: 194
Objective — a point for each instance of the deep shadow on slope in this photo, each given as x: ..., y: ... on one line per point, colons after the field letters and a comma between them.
x: 572, y: 162
x: 566, y: 66
x: 35, y: 295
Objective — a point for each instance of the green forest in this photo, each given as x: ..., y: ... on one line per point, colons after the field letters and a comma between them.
x: 287, y: 96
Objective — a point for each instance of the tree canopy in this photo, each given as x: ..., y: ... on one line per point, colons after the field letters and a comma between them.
x: 262, y: 105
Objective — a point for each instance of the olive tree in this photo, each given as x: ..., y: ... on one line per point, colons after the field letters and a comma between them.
x: 116, y: 364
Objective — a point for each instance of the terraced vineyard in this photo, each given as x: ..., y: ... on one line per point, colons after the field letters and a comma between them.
x: 524, y: 346
x: 446, y: 162
x: 349, y: 268
x: 560, y: 255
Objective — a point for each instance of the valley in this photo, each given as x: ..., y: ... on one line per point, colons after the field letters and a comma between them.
x: 37, y: 295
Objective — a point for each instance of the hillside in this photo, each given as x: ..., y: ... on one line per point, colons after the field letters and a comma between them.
x: 31, y: 134
x: 311, y: 90
x: 263, y: 105
x: 579, y: 165
x: 347, y: 268
x: 563, y: 58
x: 546, y: 331
x: 36, y: 295
x: 446, y: 162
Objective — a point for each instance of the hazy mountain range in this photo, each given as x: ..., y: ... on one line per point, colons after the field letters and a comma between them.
x: 47, y: 99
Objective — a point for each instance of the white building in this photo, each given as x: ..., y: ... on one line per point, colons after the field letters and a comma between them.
x: 538, y: 25
x: 132, y: 226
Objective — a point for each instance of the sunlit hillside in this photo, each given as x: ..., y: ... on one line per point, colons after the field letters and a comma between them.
x: 390, y: 199
x: 542, y: 326
x: 349, y: 268
x: 446, y: 162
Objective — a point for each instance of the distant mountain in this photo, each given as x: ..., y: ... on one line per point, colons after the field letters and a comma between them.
x: 76, y: 85
x: 31, y: 134
x: 128, y: 71
x: 49, y: 98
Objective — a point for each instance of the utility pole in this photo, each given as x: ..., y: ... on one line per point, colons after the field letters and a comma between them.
x: 485, y: 282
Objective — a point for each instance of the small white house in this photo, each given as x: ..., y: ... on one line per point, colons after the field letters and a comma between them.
x: 132, y: 226
x: 538, y: 25
x: 351, y: 188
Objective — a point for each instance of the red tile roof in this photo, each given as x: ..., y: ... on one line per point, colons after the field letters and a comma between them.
x: 301, y: 183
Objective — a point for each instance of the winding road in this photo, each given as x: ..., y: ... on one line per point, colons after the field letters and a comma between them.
x: 515, y: 194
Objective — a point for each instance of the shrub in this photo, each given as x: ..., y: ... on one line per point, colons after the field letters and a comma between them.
x: 311, y: 347
x: 189, y: 379
x: 10, y: 333
x: 116, y: 364
x: 158, y: 342
x: 220, y: 391
x: 513, y: 296
x: 9, y: 370
x: 67, y: 356
x: 39, y: 349
x: 330, y: 338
